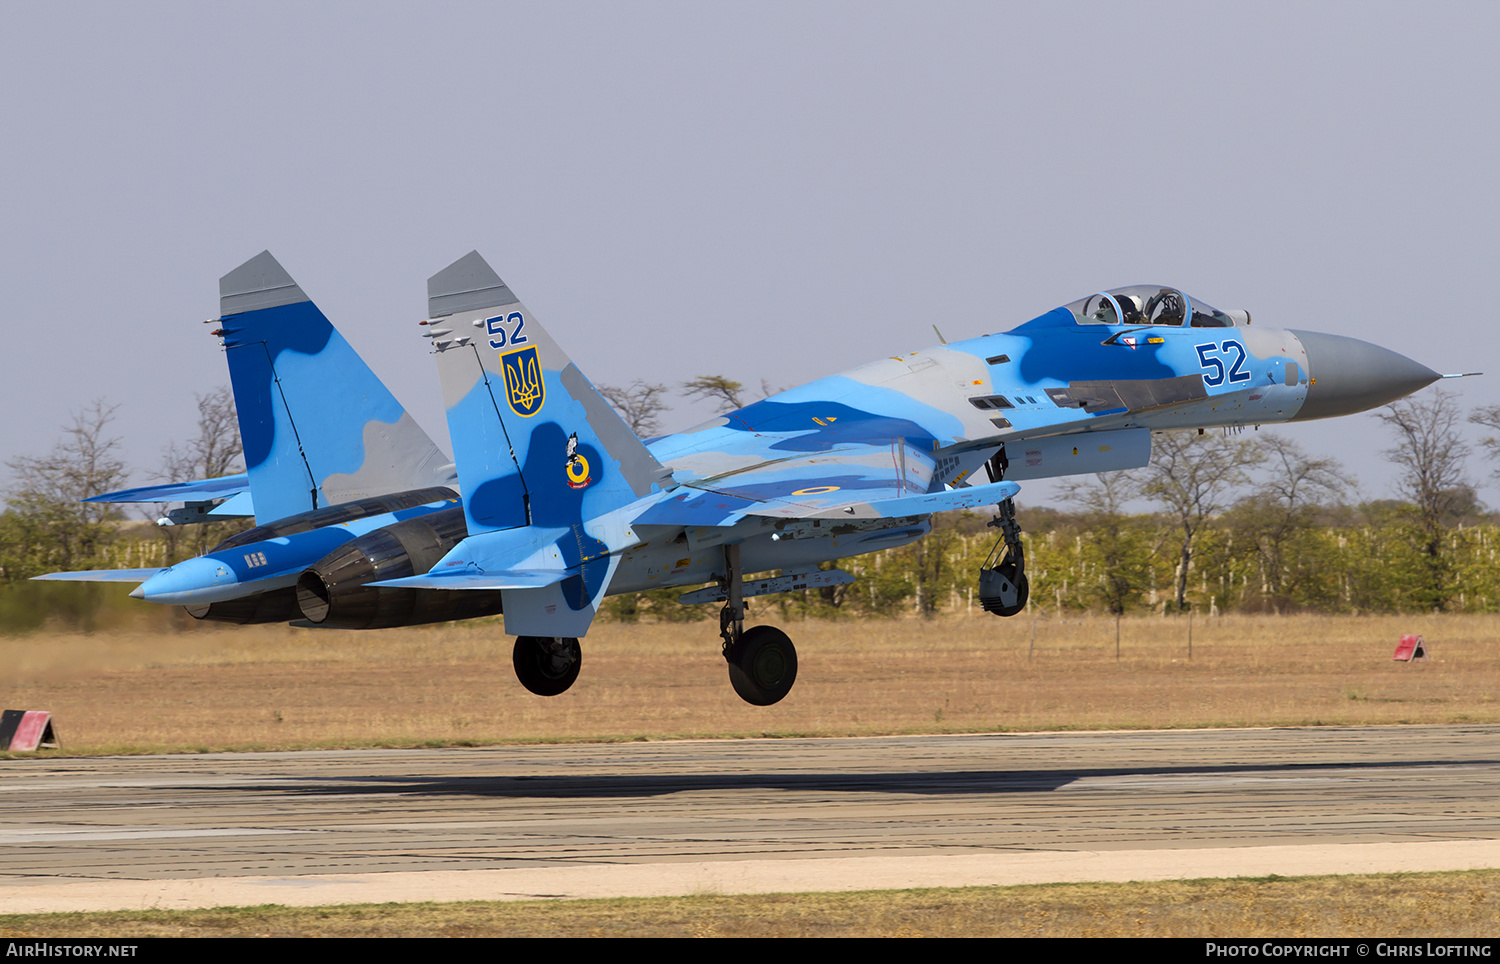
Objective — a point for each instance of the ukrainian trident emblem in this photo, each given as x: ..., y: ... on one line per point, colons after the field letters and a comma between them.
x: 524, y: 388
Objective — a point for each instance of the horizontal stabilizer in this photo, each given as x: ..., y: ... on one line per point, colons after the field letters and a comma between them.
x: 203, y: 490
x: 235, y: 507
x: 101, y: 575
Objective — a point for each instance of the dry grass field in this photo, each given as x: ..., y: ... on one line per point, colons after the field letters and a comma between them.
x: 228, y: 688
x: 1454, y: 905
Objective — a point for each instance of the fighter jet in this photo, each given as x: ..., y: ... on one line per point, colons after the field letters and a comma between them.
x: 564, y: 505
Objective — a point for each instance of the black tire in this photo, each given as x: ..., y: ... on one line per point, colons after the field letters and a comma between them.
x: 1023, y: 592
x: 762, y: 665
x: 547, y: 665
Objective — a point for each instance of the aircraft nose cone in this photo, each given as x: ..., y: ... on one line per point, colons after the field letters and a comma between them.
x: 1348, y: 375
x: 196, y: 580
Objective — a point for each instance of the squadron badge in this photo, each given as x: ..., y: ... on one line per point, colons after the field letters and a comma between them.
x: 578, y: 466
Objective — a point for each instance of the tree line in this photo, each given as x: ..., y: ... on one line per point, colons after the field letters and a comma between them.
x: 1219, y: 521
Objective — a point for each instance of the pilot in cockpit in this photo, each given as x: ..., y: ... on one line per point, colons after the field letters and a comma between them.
x: 1151, y: 305
x: 1130, y: 309
x: 1167, y: 307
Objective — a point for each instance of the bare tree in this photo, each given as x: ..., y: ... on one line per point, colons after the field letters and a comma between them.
x: 1106, y: 492
x: 716, y: 387
x: 215, y: 451
x: 1280, y: 512
x: 640, y: 404
x: 1489, y: 417
x: 1430, y: 456
x: 55, y: 527
x: 1116, y: 540
x: 1193, y: 477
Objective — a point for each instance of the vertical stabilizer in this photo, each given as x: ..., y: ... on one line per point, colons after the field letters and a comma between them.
x: 539, y: 451
x: 318, y: 427
x: 534, y: 441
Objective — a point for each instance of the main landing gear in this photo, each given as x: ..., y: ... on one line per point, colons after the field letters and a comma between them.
x: 762, y: 660
x: 547, y: 665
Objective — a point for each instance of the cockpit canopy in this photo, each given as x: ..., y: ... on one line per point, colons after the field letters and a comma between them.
x: 1147, y: 305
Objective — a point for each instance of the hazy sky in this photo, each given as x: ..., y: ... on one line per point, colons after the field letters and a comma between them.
x: 770, y: 191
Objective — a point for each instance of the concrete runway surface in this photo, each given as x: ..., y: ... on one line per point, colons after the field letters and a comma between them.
x: 744, y: 816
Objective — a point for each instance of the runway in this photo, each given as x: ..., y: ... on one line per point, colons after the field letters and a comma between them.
x: 742, y: 816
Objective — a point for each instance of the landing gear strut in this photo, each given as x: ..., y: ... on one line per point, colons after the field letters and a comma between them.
x: 762, y: 660
x: 1003, y: 589
x: 547, y: 665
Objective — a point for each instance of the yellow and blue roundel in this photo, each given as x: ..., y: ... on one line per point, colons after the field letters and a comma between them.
x: 524, y: 388
x: 578, y: 472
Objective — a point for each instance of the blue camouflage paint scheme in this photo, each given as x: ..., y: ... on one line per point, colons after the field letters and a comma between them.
x: 1055, y: 347
x: 318, y: 429
x: 840, y: 423
x: 861, y: 457
x: 317, y: 425
x: 264, y: 565
x: 558, y: 509
x: 314, y: 364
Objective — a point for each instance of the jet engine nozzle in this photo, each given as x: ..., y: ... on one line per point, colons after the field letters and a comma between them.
x: 1347, y: 375
x: 337, y: 590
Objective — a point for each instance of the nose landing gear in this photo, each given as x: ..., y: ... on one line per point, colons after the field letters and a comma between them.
x: 1003, y: 588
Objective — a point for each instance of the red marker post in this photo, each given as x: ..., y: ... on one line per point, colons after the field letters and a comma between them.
x: 1410, y: 650
x: 25, y: 730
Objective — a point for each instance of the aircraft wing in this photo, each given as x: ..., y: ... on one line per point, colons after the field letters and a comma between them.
x: 691, y: 506
x: 888, y: 478
x: 476, y: 579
